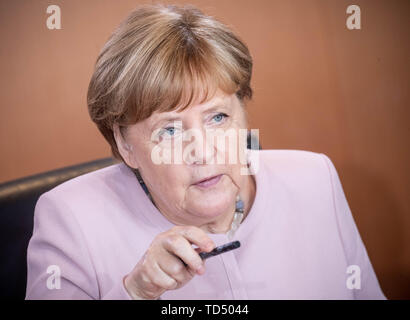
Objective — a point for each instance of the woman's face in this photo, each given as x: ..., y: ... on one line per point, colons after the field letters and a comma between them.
x: 176, y: 186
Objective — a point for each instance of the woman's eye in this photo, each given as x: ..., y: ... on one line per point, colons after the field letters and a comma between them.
x: 219, y: 117
x: 170, y: 131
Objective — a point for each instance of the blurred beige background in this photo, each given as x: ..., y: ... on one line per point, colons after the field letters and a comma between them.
x: 318, y: 87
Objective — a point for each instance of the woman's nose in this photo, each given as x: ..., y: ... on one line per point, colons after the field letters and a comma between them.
x: 200, y: 148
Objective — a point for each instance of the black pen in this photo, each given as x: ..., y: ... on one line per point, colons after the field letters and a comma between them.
x: 220, y: 249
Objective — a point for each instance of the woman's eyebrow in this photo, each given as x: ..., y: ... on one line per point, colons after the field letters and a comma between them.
x: 159, y: 122
x: 170, y: 118
x: 215, y: 107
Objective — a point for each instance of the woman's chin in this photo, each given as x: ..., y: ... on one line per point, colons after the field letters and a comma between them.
x: 211, y: 207
x: 210, y: 211
x: 213, y: 201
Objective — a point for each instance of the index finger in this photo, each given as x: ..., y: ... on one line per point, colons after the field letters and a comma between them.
x: 196, y: 236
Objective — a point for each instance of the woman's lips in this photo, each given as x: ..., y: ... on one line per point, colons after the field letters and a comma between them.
x: 209, y: 182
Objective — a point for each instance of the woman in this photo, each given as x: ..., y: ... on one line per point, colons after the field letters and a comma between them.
x: 166, y: 78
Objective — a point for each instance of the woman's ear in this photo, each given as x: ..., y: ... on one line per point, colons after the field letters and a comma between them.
x: 124, y: 148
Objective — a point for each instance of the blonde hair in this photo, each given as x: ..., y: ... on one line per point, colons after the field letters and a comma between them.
x: 161, y: 58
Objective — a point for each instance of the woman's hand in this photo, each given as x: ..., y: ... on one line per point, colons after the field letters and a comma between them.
x: 169, y: 263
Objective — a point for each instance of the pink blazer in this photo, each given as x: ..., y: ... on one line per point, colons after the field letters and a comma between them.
x: 299, y: 240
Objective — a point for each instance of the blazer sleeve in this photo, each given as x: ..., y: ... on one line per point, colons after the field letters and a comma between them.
x: 355, y: 251
x: 59, y: 264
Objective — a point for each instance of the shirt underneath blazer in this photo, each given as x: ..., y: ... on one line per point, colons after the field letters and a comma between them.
x: 299, y: 240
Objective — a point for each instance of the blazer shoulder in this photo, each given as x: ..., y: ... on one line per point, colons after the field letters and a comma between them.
x: 293, y: 160
x: 300, y: 169
x: 99, y: 182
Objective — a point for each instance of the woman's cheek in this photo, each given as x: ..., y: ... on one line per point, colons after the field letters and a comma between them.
x: 235, y: 174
